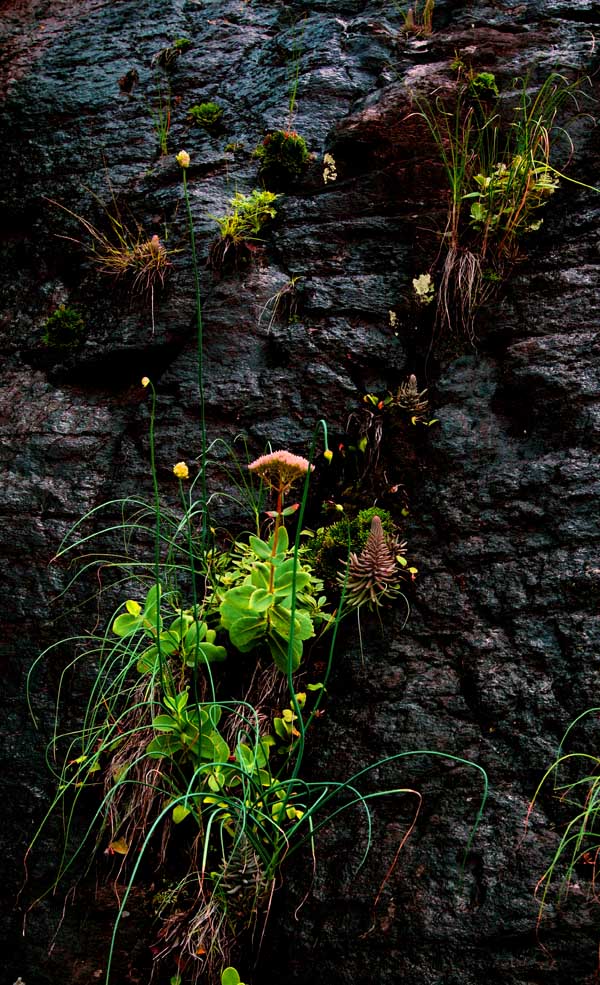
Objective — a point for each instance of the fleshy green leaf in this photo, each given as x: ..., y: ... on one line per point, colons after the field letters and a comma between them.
x: 165, y: 723
x: 229, y: 976
x: 126, y: 624
x: 180, y: 813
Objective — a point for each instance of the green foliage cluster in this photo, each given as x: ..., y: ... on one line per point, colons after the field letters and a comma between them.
x: 575, y: 779
x: 500, y: 195
x: 500, y: 162
x: 482, y: 85
x: 248, y: 215
x: 283, y: 156
x: 240, y: 228
x: 276, y: 601
x: 64, y: 329
x: 205, y: 114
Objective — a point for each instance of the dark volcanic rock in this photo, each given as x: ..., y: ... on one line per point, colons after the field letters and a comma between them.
x: 501, y: 648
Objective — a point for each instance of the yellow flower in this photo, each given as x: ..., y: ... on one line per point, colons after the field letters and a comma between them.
x: 328, y: 455
x: 181, y: 470
x: 183, y: 158
x: 145, y: 380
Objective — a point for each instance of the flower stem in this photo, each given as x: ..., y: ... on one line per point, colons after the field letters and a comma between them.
x: 203, y: 492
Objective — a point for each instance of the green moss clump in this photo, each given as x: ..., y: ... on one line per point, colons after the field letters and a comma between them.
x: 328, y: 550
x: 64, y: 329
x: 283, y: 155
x: 205, y: 115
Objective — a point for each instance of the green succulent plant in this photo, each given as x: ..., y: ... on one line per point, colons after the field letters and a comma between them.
x: 275, y: 602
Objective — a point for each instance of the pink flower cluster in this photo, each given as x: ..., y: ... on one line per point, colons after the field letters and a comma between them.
x: 280, y: 469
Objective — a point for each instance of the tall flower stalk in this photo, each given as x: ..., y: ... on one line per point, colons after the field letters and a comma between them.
x: 279, y: 471
x: 183, y: 159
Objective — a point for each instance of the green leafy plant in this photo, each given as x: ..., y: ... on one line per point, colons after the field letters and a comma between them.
x: 482, y: 85
x: 206, y: 115
x: 283, y: 157
x: 229, y: 976
x: 276, y: 601
x: 501, y: 168
x: 260, y: 608
x: 240, y: 228
x: 64, y: 329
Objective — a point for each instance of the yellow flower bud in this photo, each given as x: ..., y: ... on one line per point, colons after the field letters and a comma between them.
x: 145, y: 380
x: 328, y: 455
x: 183, y: 159
x: 181, y: 470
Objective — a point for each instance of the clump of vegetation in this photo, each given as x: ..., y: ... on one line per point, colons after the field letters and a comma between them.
x: 482, y: 85
x: 124, y: 251
x: 283, y: 156
x: 501, y: 167
x: 206, y: 115
x: 199, y: 786
x: 330, y: 547
x: 283, y: 305
x: 64, y: 329
x: 168, y: 57
x: 407, y: 398
x: 424, y: 289
x: 376, y: 573
x: 575, y: 779
x: 418, y: 18
x: 240, y: 228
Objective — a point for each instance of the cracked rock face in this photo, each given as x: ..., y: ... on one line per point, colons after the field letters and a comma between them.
x: 501, y: 648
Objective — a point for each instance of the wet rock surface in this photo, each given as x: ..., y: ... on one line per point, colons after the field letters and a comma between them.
x: 500, y: 651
